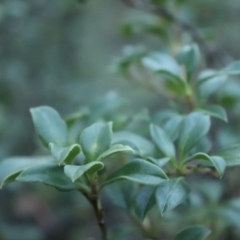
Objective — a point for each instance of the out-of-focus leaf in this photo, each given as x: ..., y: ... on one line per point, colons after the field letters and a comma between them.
x: 96, y: 139
x: 231, y: 155
x: 195, y: 126
x: 75, y: 172
x: 218, y: 162
x: 193, y: 233
x: 121, y: 194
x: 50, y: 174
x: 170, y: 194
x: 10, y: 168
x: 141, y: 145
x: 115, y: 149
x: 145, y: 200
x: 232, y: 69
x: 173, y: 126
x: 140, y: 171
x: 161, y: 162
x: 215, y: 111
x: 71, y: 119
x: 64, y: 154
x: 162, y: 141
x: 49, y: 126
x: 189, y: 56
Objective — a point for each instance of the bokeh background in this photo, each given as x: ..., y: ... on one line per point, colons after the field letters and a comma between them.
x: 60, y: 53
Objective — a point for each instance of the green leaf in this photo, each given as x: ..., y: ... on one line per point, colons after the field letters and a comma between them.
x: 218, y: 162
x: 50, y: 174
x: 64, y: 154
x: 193, y: 233
x: 96, y: 139
x: 115, y: 149
x: 161, y: 162
x: 215, y: 111
x: 139, y: 171
x: 173, y: 126
x: 49, y: 126
x: 190, y: 57
x: 75, y: 172
x: 162, y: 62
x: 145, y: 201
x: 231, y: 155
x: 71, y: 119
x: 195, y: 126
x: 141, y: 145
x: 10, y: 168
x: 232, y: 69
x: 170, y: 194
x: 162, y: 141
x: 121, y: 194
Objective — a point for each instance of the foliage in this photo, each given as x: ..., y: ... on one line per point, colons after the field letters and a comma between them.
x: 147, y: 161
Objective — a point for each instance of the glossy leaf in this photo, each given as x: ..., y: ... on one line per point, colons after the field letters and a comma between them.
x: 64, y: 154
x: 215, y: 111
x: 193, y: 233
x: 231, y: 155
x: 95, y: 140
x: 49, y: 126
x: 115, y: 149
x: 162, y: 141
x: 195, y: 126
x: 10, y: 168
x: 218, y: 162
x: 190, y: 57
x: 141, y: 145
x: 145, y: 200
x: 75, y: 172
x: 50, y: 174
x: 170, y: 194
x: 140, y: 171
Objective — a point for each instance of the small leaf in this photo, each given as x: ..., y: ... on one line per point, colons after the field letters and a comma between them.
x: 162, y: 141
x: 215, y: 111
x: 141, y: 145
x: 190, y: 57
x: 195, y: 126
x: 173, y: 126
x: 232, y: 69
x: 75, y: 172
x: 10, y: 168
x: 193, y: 233
x: 115, y: 149
x: 161, y: 162
x: 139, y: 171
x: 145, y: 201
x: 218, y: 162
x: 121, y: 194
x: 50, y: 174
x: 49, y: 126
x: 96, y: 139
x: 64, y: 154
x: 71, y: 119
x: 231, y: 155
x: 170, y: 194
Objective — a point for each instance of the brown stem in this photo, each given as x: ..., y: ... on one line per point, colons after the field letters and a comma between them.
x: 98, y: 211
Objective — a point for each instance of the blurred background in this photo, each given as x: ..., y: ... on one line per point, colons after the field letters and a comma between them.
x: 61, y: 53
